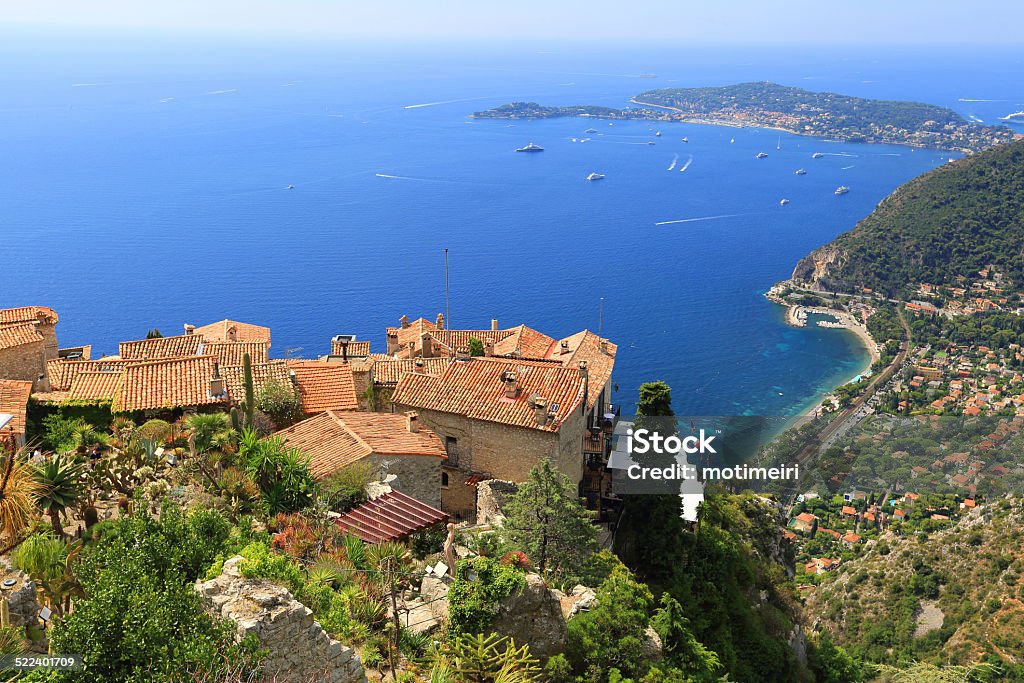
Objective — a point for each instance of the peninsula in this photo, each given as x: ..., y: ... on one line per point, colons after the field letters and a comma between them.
x: 794, y: 110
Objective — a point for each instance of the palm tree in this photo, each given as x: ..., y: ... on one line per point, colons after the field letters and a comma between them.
x: 18, y: 490
x: 61, y: 481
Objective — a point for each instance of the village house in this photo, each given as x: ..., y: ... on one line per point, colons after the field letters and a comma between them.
x: 323, y: 385
x: 498, y: 418
x: 231, y: 331
x: 391, y: 444
x: 14, y: 395
x: 28, y: 338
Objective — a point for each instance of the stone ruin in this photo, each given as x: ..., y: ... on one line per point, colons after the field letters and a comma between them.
x: 300, y: 650
x: 22, y: 605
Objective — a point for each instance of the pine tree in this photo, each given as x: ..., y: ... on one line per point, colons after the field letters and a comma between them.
x: 547, y: 521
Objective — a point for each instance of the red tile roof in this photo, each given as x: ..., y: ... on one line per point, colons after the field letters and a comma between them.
x: 324, y: 386
x: 805, y: 517
x: 161, y: 347
x: 334, y: 440
x: 95, y: 386
x: 276, y: 371
x: 26, y: 314
x: 232, y: 330
x: 231, y: 353
x: 388, y: 370
x: 14, y: 396
x: 62, y: 372
x: 355, y: 349
x: 475, y: 389
x: 524, y: 341
x: 168, y: 383
x: 18, y: 334
x: 391, y: 517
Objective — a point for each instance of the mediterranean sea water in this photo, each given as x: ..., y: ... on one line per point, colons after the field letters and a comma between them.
x: 146, y: 184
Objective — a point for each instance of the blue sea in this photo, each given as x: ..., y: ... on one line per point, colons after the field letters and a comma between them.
x: 145, y: 184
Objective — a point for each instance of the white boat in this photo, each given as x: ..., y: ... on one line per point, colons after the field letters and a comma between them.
x: 657, y: 134
x: 842, y: 189
x: 650, y: 142
x: 817, y: 155
x: 530, y: 148
x: 800, y: 171
x: 590, y: 130
x: 779, y: 146
x: 291, y: 187
x: 595, y: 176
x: 732, y: 141
x: 686, y: 139
x: 783, y: 202
x: 762, y: 155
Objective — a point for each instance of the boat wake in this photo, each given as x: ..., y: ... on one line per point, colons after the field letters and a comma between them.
x: 686, y: 165
x: 222, y: 92
x: 967, y: 99
x: 434, y: 104
x: 846, y: 168
x: 701, y: 218
x: 673, y: 164
x: 839, y: 154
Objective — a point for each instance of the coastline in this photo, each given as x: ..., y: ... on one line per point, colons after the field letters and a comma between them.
x: 795, y: 316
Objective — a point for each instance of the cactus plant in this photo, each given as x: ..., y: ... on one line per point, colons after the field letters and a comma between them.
x: 250, y: 392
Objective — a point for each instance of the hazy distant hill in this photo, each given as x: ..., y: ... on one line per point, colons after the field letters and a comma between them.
x: 951, y: 221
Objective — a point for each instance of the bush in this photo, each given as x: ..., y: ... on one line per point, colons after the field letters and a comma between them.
x: 479, y: 585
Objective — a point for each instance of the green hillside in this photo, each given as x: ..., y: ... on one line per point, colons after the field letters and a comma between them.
x: 951, y: 221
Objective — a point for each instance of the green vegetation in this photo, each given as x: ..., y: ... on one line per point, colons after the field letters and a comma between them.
x: 480, y: 584
x: 546, y: 520
x: 950, y: 222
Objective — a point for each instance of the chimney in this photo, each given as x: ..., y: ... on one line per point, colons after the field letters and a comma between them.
x: 462, y: 353
x: 511, y: 382
x: 418, y: 365
x: 439, y: 322
x: 585, y: 376
x: 412, y: 422
x: 494, y: 324
x: 344, y: 351
x: 603, y: 345
x: 189, y: 329
x: 584, y: 372
x: 488, y: 347
x: 540, y: 411
x: 565, y: 346
x: 404, y: 321
x: 232, y: 334
x: 426, y: 345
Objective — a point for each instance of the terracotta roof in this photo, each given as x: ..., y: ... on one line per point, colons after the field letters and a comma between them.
x: 356, y: 349
x: 587, y: 346
x: 14, y: 401
x: 475, y: 389
x: 168, y: 383
x: 805, y: 517
x: 62, y: 372
x: 851, y: 537
x: 26, y: 314
x: 324, y: 386
x: 95, y: 386
x: 18, y: 334
x: 389, y: 370
x: 390, y: 517
x: 262, y: 375
x: 230, y: 353
x: 161, y: 347
x: 334, y: 440
x: 527, y: 341
x: 412, y: 333
x: 232, y: 330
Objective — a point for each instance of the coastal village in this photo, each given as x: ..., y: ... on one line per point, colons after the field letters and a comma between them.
x: 437, y: 411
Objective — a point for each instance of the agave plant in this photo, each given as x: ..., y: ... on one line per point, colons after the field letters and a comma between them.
x: 60, y: 481
x: 18, y: 490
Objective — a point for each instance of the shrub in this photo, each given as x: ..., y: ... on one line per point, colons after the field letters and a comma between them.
x: 479, y: 585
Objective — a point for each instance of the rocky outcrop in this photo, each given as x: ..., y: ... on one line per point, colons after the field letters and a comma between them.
x: 533, y: 616
x: 820, y: 266
x: 579, y: 600
x: 299, y: 649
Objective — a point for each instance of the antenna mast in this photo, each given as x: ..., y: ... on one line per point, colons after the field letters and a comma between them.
x: 447, y: 312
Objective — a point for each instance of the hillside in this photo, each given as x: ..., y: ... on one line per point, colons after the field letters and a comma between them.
x: 949, y: 222
x: 950, y: 597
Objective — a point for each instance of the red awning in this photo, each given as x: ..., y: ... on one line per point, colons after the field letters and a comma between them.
x: 390, y: 517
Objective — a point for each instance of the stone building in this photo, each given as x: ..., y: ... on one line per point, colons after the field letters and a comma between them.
x: 391, y: 444
x: 14, y: 394
x: 498, y: 417
x: 28, y: 338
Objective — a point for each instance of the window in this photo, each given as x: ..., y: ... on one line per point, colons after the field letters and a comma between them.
x: 444, y: 480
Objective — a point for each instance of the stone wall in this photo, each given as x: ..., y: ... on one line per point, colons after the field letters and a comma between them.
x: 502, y: 451
x: 299, y: 649
x: 26, y: 362
x: 22, y: 604
x: 491, y: 497
x: 418, y: 476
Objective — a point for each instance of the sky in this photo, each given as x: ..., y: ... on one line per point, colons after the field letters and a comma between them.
x: 676, y: 21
